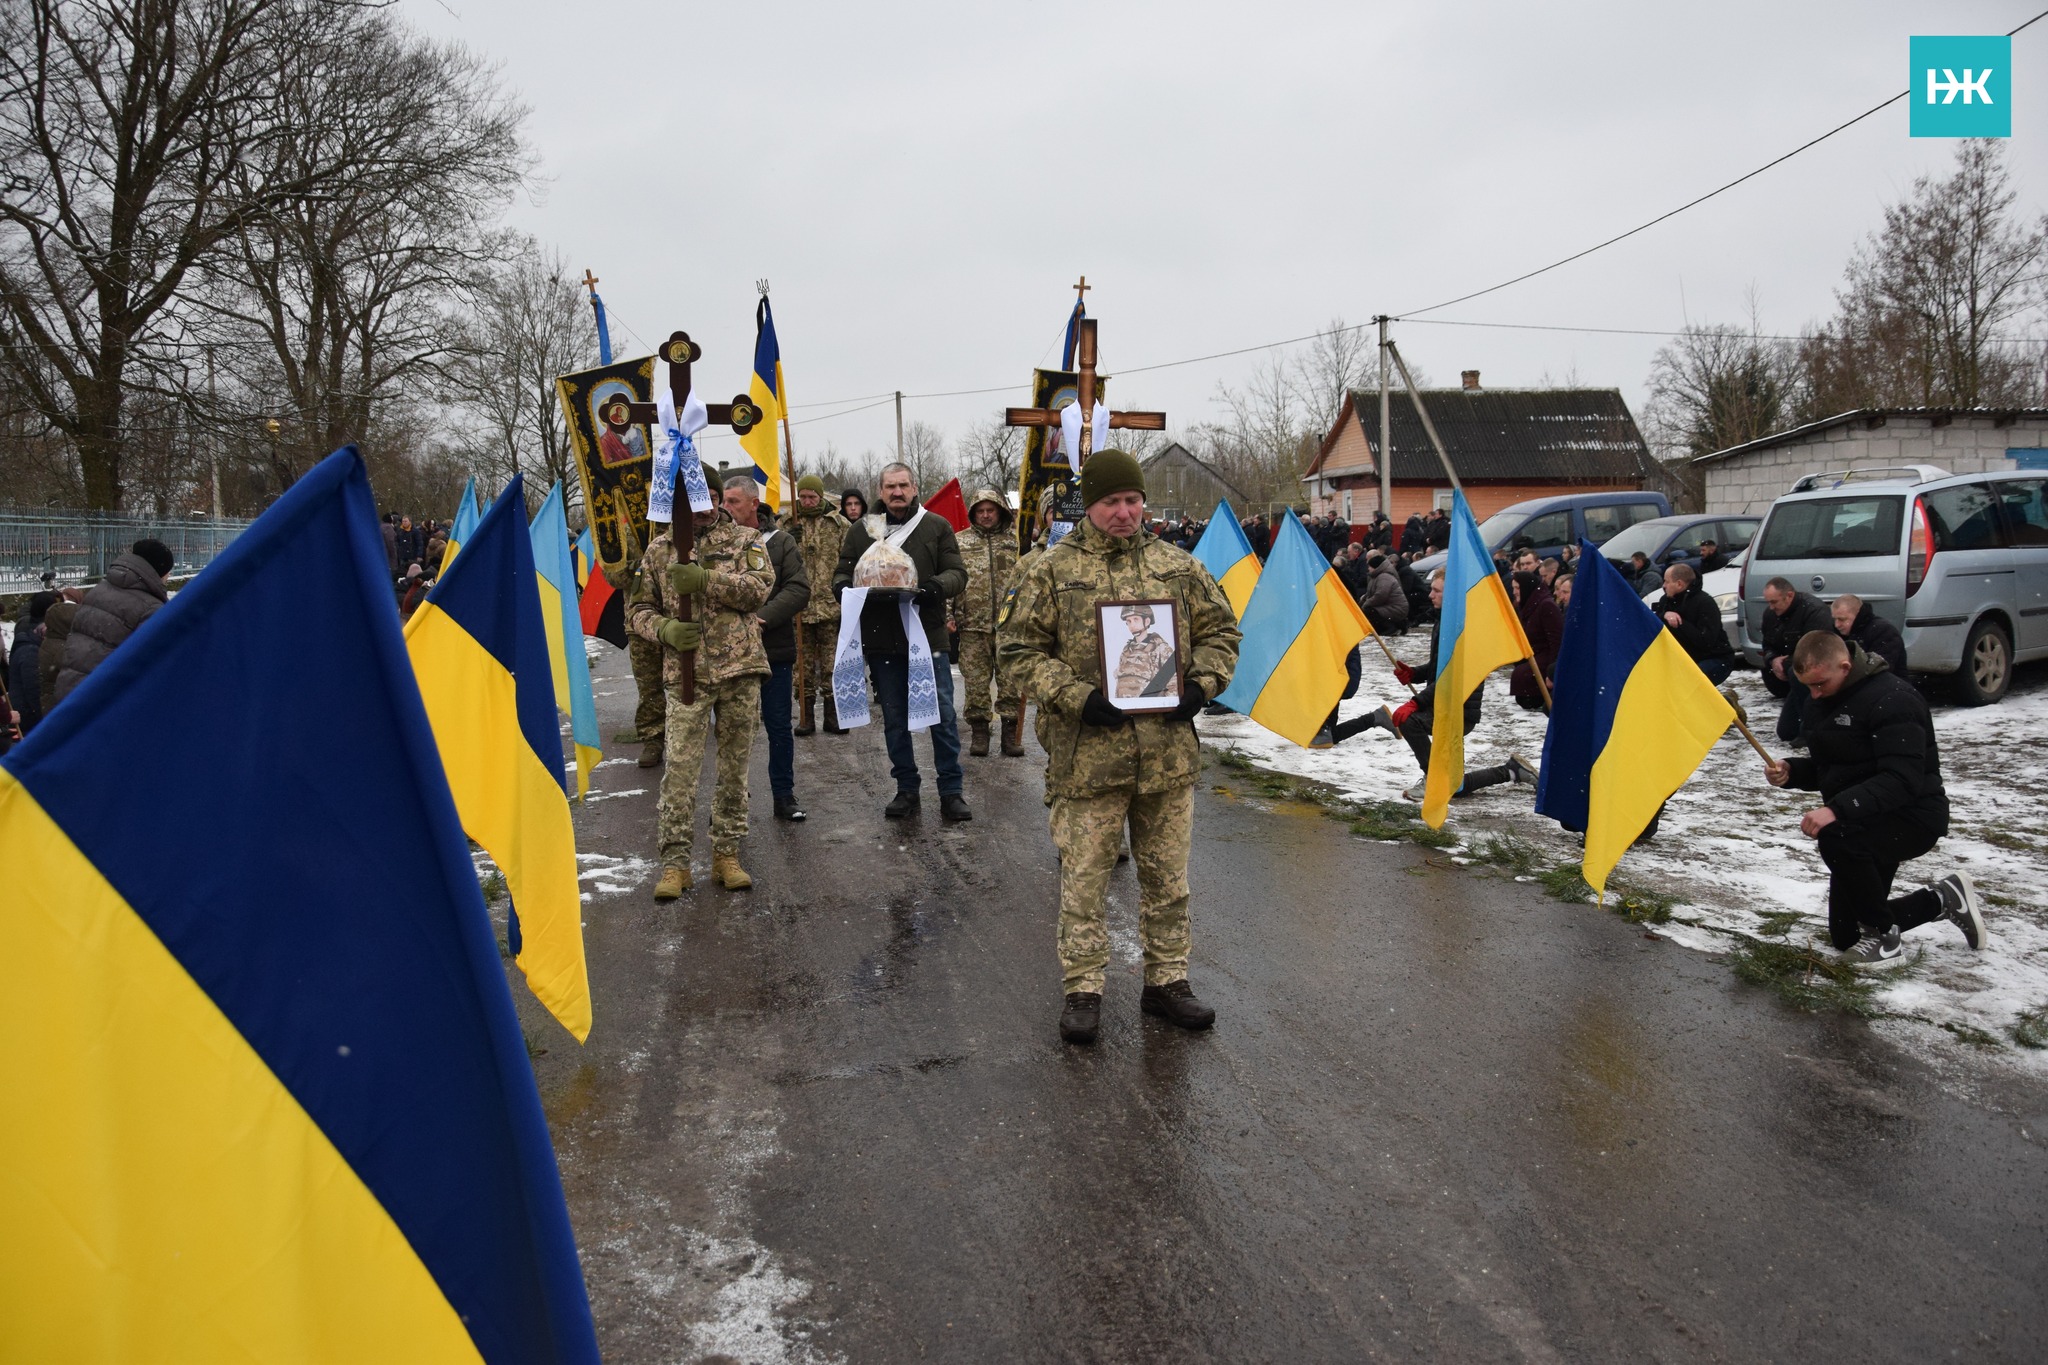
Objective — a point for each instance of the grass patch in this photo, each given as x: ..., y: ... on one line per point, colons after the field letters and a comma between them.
x: 1235, y: 761
x: 1805, y: 978
x: 2003, y: 839
x: 1395, y: 820
x: 1641, y: 907
x: 493, y: 887
x: 2002, y: 902
x: 1273, y: 785
x: 534, y: 1048
x: 1509, y: 851
x: 1975, y: 1037
x: 1778, y: 923
x: 1566, y: 884
x: 2032, y: 1030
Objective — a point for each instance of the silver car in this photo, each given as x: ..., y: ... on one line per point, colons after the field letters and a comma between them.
x: 1959, y: 563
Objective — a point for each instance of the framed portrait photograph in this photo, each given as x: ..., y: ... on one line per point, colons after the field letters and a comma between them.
x: 1141, y: 663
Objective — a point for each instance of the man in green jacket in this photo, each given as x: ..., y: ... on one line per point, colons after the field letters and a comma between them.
x: 988, y: 548
x: 1109, y: 767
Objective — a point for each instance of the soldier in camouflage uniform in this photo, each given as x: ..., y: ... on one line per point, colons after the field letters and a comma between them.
x: 1108, y: 767
x: 989, y: 550
x: 729, y: 579
x: 818, y: 530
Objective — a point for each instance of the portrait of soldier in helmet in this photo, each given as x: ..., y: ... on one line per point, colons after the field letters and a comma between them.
x: 1140, y: 662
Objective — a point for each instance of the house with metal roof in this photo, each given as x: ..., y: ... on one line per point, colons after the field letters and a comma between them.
x: 1507, y: 445
x: 1753, y: 475
x: 1179, y: 484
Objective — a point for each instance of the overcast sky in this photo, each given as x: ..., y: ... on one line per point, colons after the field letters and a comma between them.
x: 922, y: 183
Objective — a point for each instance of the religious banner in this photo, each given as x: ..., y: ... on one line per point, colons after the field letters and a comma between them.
x: 615, y: 468
x: 1046, y: 463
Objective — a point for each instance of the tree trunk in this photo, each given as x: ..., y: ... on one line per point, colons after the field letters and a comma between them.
x: 99, y: 440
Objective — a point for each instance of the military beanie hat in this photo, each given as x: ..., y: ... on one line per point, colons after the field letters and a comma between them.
x: 810, y: 483
x: 1109, y: 471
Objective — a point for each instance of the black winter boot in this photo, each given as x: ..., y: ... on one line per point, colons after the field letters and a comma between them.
x: 1081, y: 1017
x: 1013, y: 737
x: 977, y: 745
x: 1175, y: 1002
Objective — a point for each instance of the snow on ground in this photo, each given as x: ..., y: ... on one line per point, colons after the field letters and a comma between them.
x: 1729, y: 848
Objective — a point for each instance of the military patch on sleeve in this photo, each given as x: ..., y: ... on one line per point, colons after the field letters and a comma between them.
x: 1009, y: 602
x: 757, y: 558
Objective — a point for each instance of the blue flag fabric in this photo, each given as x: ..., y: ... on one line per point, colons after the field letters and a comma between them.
x: 271, y: 1100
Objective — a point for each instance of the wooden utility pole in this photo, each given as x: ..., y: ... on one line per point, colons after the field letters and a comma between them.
x: 1429, y: 427
x: 1386, y: 460
x: 741, y: 415
x: 899, y: 426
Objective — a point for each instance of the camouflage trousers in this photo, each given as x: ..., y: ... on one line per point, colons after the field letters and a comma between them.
x: 1089, y: 831
x: 731, y: 709
x: 817, y: 641
x: 646, y: 659
x: 978, y: 669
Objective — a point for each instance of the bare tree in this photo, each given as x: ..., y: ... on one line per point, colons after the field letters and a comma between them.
x: 1334, y: 364
x: 1715, y: 385
x: 127, y: 130
x: 530, y: 324
x: 924, y: 450
x: 1928, y: 305
x: 991, y: 454
x: 1264, y: 440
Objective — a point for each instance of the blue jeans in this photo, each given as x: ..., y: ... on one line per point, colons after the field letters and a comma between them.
x: 891, y: 674
x: 775, y: 714
x: 1717, y: 669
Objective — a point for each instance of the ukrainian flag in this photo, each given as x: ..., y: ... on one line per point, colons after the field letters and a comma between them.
x: 479, y: 648
x: 1632, y: 716
x: 1477, y: 632
x: 554, y: 565
x: 773, y: 399
x: 464, y: 524
x: 1298, y: 628
x: 1228, y: 557
x: 267, y: 1098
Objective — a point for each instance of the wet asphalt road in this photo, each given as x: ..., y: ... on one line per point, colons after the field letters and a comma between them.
x: 1441, y: 1115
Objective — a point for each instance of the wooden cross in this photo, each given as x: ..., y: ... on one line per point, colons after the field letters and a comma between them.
x: 589, y: 280
x: 740, y: 414
x: 1050, y: 417
x: 1081, y: 291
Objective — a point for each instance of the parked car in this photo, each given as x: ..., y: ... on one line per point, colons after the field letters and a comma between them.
x: 1958, y: 562
x: 1724, y: 585
x: 1555, y: 522
x: 1665, y: 541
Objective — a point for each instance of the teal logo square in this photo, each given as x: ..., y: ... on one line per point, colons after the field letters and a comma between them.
x: 1961, y: 87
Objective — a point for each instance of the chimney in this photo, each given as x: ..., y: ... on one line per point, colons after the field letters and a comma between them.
x: 1471, y: 378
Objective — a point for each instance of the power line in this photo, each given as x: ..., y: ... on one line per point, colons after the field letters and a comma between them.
x: 1694, y: 203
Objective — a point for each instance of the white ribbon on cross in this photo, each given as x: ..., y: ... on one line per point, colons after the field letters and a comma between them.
x: 675, y: 457
x: 1070, y: 430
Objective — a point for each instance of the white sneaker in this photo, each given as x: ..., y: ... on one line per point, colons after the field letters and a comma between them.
x: 1525, y: 772
x: 1960, y: 907
x: 1416, y: 792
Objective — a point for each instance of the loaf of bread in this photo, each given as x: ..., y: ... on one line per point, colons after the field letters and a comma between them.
x: 882, y: 565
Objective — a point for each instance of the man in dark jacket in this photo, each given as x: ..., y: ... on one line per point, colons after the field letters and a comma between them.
x: 114, y: 609
x: 25, y: 661
x: 1871, y: 754
x: 941, y: 574
x: 1858, y: 624
x: 1438, y: 530
x: 56, y: 636
x: 792, y: 591
x: 1384, y: 601
x: 1789, y: 616
x: 1695, y: 622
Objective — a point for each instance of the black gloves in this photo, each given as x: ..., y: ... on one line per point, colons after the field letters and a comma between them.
x: 929, y: 592
x: 1098, y: 711
x: 1192, y: 700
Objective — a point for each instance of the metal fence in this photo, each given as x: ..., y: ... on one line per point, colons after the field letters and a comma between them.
x: 78, y: 546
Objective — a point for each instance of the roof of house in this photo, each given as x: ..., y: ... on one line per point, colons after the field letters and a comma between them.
x: 1523, y: 434
x: 1176, y: 453
x: 1875, y: 417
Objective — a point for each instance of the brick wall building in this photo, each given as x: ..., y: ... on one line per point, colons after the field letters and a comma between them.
x: 1508, y: 445
x: 1749, y: 477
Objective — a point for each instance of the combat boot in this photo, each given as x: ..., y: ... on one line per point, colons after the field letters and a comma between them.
x: 806, y: 723
x: 832, y: 725
x: 1013, y: 737
x: 1175, y: 1002
x: 1081, y: 1016
x: 977, y: 747
x: 726, y: 867
x: 674, y: 882
x: 631, y: 736
x: 650, y: 754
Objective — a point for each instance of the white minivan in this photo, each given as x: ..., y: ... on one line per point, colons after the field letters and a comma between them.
x: 1959, y: 563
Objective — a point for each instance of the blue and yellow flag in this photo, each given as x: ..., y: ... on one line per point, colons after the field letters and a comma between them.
x: 479, y: 648
x: 1228, y: 557
x: 553, y: 562
x: 586, y: 555
x: 1476, y: 633
x: 762, y: 444
x: 1632, y: 716
x: 464, y: 524
x: 1298, y: 628
x: 267, y: 1098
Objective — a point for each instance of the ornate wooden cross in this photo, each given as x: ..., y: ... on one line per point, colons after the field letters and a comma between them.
x: 740, y: 414
x: 1050, y: 417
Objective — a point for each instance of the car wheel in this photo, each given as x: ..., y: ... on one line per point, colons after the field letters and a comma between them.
x: 1987, y: 665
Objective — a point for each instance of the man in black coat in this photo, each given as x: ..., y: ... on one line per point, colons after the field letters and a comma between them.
x: 1438, y: 530
x: 1858, y: 624
x: 114, y: 609
x: 1695, y: 622
x: 790, y: 595
x: 1872, y: 756
x: 941, y: 574
x: 1789, y: 616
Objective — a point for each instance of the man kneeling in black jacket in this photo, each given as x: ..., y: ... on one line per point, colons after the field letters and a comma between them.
x: 1871, y: 755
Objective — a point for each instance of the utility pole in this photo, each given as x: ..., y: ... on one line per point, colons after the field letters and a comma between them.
x: 1386, y: 430
x: 899, y: 426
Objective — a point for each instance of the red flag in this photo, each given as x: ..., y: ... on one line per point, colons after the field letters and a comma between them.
x: 949, y: 503
x: 603, y: 609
